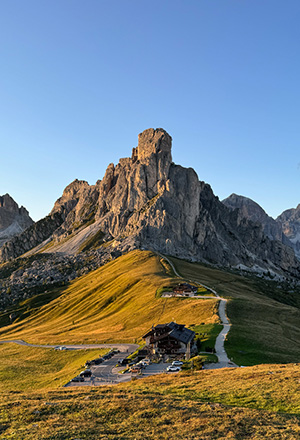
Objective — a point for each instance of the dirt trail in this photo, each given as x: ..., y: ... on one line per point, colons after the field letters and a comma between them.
x: 223, y: 360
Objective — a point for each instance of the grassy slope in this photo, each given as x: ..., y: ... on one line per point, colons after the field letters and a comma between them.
x: 31, y: 368
x: 114, y: 303
x: 205, y: 405
x: 118, y: 302
x: 263, y: 330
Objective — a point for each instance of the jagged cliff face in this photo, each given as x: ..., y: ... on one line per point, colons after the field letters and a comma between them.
x: 147, y: 201
x: 13, y: 220
x: 254, y: 212
x: 290, y: 224
x: 286, y: 228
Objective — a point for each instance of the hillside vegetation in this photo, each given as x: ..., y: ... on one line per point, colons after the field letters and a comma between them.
x: 116, y: 302
x: 265, y: 316
x: 251, y: 403
x: 31, y: 368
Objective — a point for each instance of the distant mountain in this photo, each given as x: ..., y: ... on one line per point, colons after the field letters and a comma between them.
x: 148, y: 202
x: 13, y: 220
x: 290, y: 224
x: 286, y: 228
x: 254, y: 212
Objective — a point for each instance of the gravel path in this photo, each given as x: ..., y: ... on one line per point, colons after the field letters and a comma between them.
x: 223, y: 360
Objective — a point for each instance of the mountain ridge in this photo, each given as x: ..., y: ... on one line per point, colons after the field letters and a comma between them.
x: 285, y: 228
x: 13, y: 220
x: 146, y: 201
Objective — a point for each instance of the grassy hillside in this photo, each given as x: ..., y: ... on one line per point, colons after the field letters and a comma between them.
x: 252, y: 403
x: 114, y: 303
x: 31, y: 368
x: 265, y: 317
x: 119, y: 303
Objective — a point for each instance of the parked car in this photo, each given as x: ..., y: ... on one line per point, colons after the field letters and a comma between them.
x: 142, y: 364
x: 135, y: 369
x: 60, y: 347
x: 86, y: 373
x: 98, y: 361
x: 116, y: 350
x: 147, y: 361
x: 173, y: 368
x: 78, y: 379
x: 177, y: 363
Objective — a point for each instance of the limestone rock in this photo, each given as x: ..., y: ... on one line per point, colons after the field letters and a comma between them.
x: 254, y: 212
x: 148, y: 202
x: 13, y: 220
x: 289, y: 221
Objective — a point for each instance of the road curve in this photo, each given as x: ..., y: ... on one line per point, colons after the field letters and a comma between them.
x: 223, y: 360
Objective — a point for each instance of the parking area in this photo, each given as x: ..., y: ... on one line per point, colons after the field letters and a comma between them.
x: 152, y: 369
x: 108, y: 374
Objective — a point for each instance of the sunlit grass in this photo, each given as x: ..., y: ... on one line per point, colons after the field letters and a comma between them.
x: 257, y: 402
x: 113, y: 303
x: 30, y: 368
x: 264, y: 330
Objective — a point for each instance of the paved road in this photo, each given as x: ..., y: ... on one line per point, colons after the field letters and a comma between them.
x: 124, y: 348
x: 223, y: 360
x: 108, y: 374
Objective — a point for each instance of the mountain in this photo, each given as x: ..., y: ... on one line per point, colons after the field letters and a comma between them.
x: 254, y: 212
x: 148, y: 202
x: 286, y: 228
x: 290, y: 224
x: 13, y: 220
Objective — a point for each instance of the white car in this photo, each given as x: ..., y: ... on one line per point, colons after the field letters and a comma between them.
x: 143, y: 364
x: 173, y: 369
x: 177, y: 363
x: 60, y: 347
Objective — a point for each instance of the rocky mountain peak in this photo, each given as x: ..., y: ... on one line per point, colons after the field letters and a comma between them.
x: 149, y: 202
x: 152, y: 141
x: 8, y: 203
x: 249, y: 209
x: 290, y: 223
x: 13, y: 220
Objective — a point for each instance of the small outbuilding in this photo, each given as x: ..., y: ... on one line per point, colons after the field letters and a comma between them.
x: 185, y: 289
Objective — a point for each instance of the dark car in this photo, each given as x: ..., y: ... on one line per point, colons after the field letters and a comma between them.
x: 78, y: 379
x: 98, y: 361
x: 85, y: 373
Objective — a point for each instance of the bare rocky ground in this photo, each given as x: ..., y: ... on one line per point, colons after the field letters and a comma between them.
x: 22, y: 278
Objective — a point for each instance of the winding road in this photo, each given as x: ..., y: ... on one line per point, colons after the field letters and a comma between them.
x: 111, y: 376
x: 124, y: 348
x: 223, y: 360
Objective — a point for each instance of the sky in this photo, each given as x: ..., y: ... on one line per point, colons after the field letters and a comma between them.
x: 79, y: 80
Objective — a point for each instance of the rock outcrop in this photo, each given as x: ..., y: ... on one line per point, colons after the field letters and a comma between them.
x: 13, y: 220
x: 148, y: 202
x: 289, y: 221
x: 253, y: 211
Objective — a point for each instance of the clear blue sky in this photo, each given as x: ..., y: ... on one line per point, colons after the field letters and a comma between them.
x: 80, y: 79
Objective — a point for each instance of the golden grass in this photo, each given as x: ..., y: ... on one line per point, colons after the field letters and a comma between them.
x: 114, y: 303
x: 264, y: 330
x: 228, y: 404
x: 32, y: 368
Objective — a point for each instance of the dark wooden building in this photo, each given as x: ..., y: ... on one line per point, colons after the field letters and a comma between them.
x: 170, y: 339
